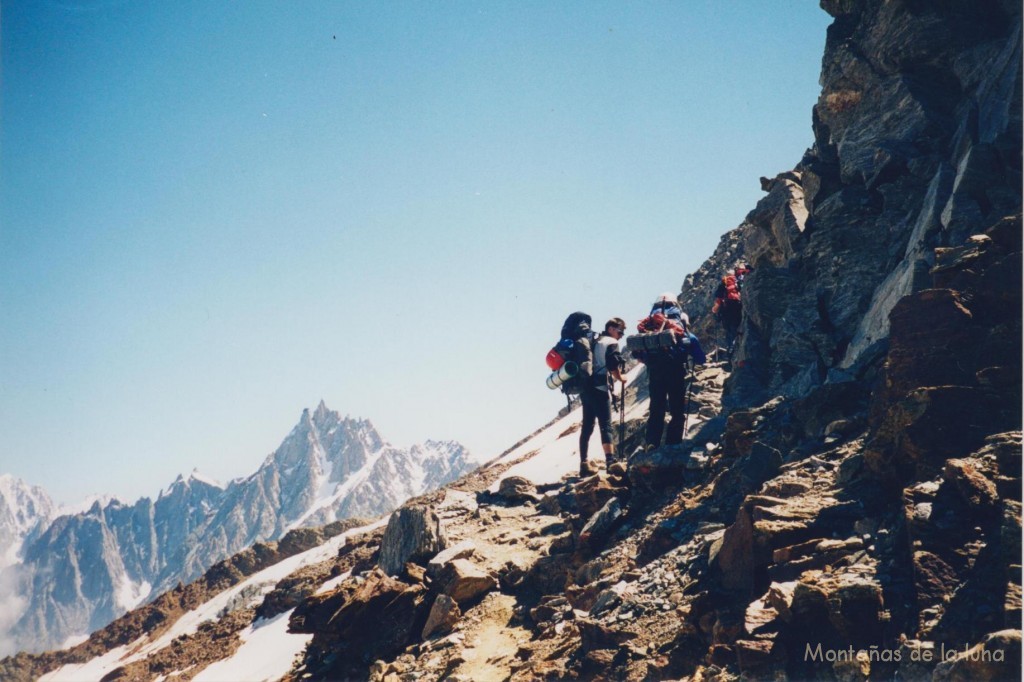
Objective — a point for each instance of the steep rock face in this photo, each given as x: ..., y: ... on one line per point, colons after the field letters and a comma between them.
x: 872, y: 488
x: 78, y: 574
x: 106, y: 559
x: 916, y: 147
x: 114, y: 556
x: 24, y: 509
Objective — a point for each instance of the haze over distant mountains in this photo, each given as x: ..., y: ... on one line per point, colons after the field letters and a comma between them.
x: 68, y: 574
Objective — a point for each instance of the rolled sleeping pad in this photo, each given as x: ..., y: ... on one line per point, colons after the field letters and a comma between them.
x: 562, y: 374
x: 554, y: 359
x: 658, y: 340
x: 635, y: 343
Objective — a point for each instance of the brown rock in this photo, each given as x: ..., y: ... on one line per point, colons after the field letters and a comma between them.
x: 462, y: 550
x: 463, y: 581
x: 780, y: 598
x: 375, y: 620
x: 598, y: 661
x: 734, y: 555
x: 976, y: 490
x: 759, y: 615
x: 592, y: 494
x: 550, y: 574
x: 444, y: 614
x: 998, y: 657
x: 934, y: 579
x: 595, y: 635
x: 415, y: 573
x: 755, y: 655
x: 517, y: 489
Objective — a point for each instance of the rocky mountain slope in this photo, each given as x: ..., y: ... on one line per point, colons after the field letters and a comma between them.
x: 849, y: 503
x: 86, y: 569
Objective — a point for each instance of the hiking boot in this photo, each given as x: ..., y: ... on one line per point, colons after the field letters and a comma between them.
x: 585, y: 469
x: 617, y: 469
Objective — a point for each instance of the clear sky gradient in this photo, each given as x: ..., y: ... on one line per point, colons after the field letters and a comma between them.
x: 216, y: 214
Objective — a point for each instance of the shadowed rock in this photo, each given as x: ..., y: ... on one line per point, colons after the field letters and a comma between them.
x: 413, y: 534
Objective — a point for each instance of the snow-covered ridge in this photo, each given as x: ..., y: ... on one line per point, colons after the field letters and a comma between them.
x: 327, y: 468
x: 24, y: 510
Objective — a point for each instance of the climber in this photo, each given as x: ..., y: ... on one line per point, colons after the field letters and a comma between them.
x: 596, y: 394
x: 728, y: 307
x: 668, y: 370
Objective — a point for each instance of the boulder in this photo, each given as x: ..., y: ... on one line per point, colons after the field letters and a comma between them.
x: 974, y: 486
x: 608, y: 599
x: 413, y: 534
x: 657, y: 468
x: 780, y: 598
x: 376, y: 619
x: 756, y: 656
x: 601, y: 524
x: 550, y: 574
x: 444, y: 614
x: 997, y: 657
x: 590, y: 571
x: 733, y: 555
x: 462, y: 550
x: 517, y: 490
x: 591, y: 494
x: 463, y: 581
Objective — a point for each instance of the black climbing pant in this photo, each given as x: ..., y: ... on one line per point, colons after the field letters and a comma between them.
x: 668, y: 392
x: 597, y: 405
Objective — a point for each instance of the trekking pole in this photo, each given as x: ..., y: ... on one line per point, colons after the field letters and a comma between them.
x: 686, y: 398
x: 622, y: 423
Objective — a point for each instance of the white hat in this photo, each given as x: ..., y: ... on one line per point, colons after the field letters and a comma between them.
x: 667, y: 297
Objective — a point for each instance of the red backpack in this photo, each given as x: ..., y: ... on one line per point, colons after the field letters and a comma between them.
x: 658, y: 322
x: 732, y: 292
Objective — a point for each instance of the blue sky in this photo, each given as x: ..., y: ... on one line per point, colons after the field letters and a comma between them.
x: 214, y: 214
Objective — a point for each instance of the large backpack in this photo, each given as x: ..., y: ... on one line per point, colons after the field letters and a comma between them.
x: 660, y: 337
x: 732, y: 289
x: 570, y: 358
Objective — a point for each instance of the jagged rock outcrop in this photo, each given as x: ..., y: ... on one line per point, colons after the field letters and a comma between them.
x: 916, y: 146
x: 413, y: 534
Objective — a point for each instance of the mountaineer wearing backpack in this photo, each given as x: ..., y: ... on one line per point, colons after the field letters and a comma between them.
x: 667, y: 368
x: 728, y: 307
x: 596, y: 396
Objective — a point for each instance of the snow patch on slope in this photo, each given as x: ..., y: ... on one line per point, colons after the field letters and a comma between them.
x: 267, y: 652
x: 246, y: 593
x: 558, y: 452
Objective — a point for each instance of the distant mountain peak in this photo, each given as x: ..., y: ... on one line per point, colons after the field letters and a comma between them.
x: 196, y: 476
x: 327, y: 468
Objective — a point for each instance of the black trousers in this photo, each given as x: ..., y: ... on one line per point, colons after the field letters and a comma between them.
x: 731, y: 314
x: 597, y: 404
x: 668, y: 392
